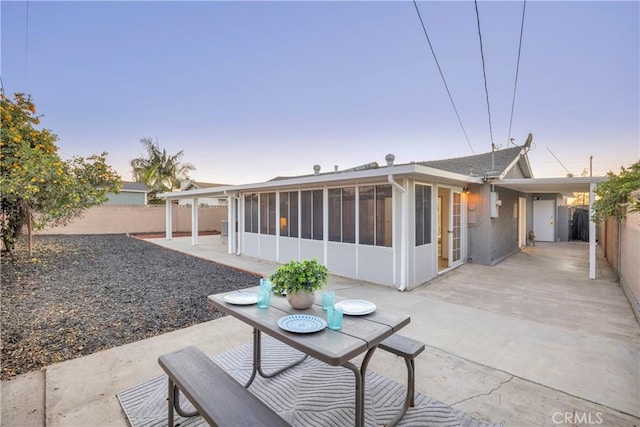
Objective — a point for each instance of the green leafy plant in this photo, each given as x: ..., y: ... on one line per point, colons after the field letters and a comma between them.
x: 37, y: 187
x: 307, y: 275
x: 615, y: 194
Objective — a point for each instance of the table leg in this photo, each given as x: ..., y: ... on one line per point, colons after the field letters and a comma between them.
x: 257, y: 360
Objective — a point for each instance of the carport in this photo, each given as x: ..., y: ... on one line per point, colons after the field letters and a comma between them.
x: 567, y: 187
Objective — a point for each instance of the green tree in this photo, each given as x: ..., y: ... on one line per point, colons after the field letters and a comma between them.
x: 37, y: 187
x: 613, y: 195
x: 160, y: 171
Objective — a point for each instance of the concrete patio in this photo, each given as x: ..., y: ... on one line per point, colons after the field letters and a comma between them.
x: 531, y: 341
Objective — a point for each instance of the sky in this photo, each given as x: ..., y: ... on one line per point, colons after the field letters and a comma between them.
x: 254, y: 90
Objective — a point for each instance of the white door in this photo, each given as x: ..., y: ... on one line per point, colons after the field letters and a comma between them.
x: 455, y: 236
x: 544, y: 220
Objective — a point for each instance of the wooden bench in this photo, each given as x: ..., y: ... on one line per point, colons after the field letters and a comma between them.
x: 407, y: 348
x: 215, y: 394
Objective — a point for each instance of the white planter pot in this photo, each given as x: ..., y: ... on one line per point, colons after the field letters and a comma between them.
x: 301, y: 300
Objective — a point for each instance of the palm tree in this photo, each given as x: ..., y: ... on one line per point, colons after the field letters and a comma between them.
x: 160, y: 171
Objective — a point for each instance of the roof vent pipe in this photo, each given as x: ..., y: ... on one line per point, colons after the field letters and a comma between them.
x: 389, y: 158
x: 316, y: 169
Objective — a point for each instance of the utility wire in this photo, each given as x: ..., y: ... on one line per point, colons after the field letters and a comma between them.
x: 443, y: 79
x: 515, y: 85
x: 26, y: 49
x: 554, y: 156
x: 484, y: 73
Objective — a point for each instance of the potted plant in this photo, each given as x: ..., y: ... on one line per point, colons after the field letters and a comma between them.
x: 298, y: 280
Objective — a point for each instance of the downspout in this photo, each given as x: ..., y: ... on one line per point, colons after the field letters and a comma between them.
x: 403, y: 232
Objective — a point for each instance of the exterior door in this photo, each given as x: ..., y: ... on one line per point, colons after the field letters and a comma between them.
x: 544, y: 220
x: 455, y: 236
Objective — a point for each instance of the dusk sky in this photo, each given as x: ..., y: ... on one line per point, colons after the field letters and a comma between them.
x: 253, y: 90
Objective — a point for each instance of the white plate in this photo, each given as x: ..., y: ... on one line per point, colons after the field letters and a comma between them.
x: 356, y: 307
x: 242, y: 298
x: 302, y: 323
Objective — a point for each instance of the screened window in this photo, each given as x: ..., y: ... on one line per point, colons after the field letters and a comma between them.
x: 268, y: 213
x: 289, y: 214
x: 375, y: 212
x: 311, y: 214
x: 251, y: 213
x: 423, y: 214
x: 342, y: 215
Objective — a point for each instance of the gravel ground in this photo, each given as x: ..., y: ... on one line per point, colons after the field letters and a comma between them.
x: 83, y: 294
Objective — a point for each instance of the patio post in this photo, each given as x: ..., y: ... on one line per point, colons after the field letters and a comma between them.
x: 168, y: 218
x: 592, y: 233
x: 194, y: 221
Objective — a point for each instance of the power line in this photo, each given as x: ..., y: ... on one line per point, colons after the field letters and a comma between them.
x: 515, y: 84
x: 484, y: 73
x: 26, y: 49
x: 554, y: 156
x: 443, y: 79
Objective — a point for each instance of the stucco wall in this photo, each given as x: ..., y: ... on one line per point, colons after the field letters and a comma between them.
x: 139, y: 219
x: 492, y: 239
x: 630, y: 260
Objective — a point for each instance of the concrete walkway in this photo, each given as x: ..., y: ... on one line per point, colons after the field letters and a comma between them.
x: 530, y: 341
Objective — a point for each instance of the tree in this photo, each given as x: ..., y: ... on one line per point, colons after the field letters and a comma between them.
x: 160, y: 171
x: 614, y: 194
x: 37, y: 187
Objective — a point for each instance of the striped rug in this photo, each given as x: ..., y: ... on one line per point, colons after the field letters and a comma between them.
x: 310, y: 394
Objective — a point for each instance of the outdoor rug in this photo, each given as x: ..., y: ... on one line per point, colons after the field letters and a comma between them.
x: 310, y: 394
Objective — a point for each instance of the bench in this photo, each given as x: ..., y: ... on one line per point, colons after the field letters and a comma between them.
x: 215, y: 394
x: 408, y: 349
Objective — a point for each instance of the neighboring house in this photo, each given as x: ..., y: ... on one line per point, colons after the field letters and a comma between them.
x: 131, y: 193
x: 400, y: 224
x: 187, y: 184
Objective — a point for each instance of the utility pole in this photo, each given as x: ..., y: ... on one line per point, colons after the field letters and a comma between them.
x: 591, y: 165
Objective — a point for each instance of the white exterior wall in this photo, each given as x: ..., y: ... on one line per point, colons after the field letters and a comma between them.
x: 342, y: 259
x: 375, y: 264
x: 289, y: 249
x: 310, y: 249
x: 250, y: 243
x: 382, y: 265
x: 267, y: 244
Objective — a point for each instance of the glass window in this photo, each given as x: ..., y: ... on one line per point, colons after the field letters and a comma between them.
x: 251, y: 213
x: 289, y: 214
x: 375, y: 214
x: 311, y: 214
x: 342, y: 215
x: 367, y: 215
x: 268, y: 213
x: 384, y: 215
x: 423, y: 214
x: 335, y: 215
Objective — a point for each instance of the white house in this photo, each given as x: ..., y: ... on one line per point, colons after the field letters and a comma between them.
x: 394, y: 224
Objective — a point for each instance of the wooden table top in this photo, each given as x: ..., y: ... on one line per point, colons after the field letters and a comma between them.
x: 358, y: 333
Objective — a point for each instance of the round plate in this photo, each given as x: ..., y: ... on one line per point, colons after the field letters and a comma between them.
x: 242, y: 298
x: 302, y: 323
x: 356, y: 307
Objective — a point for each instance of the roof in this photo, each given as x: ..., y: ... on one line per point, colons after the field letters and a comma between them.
x: 496, y: 163
x: 566, y: 186
x: 191, y: 185
x: 134, y: 186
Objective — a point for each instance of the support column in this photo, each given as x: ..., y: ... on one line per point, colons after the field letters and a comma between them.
x: 168, y: 218
x: 194, y: 222
x: 230, y: 220
x: 592, y: 233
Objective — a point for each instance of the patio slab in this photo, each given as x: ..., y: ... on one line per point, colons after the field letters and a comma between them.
x: 527, y: 341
